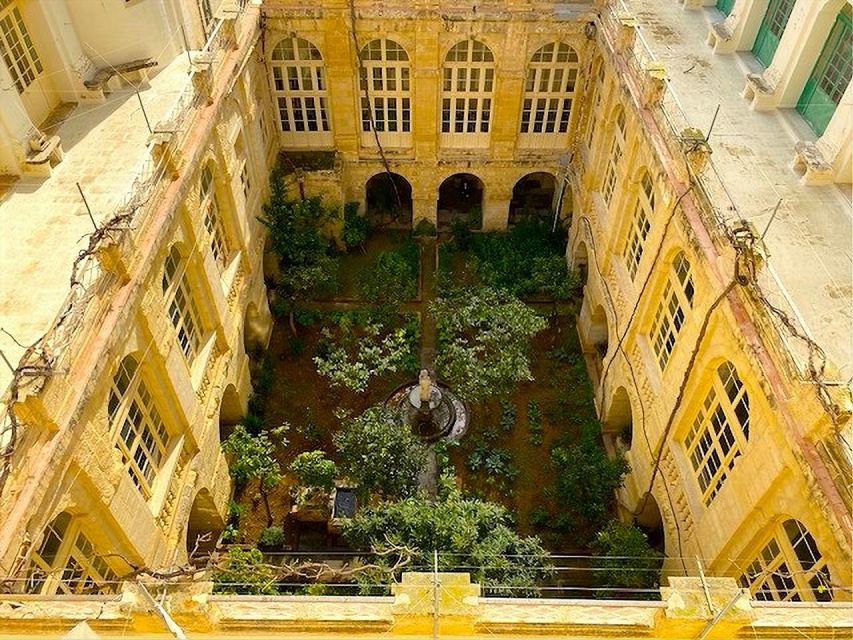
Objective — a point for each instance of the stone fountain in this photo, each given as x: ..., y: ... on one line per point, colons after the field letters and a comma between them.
x: 432, y: 411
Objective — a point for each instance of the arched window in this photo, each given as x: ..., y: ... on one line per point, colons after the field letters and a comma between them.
x: 549, y: 89
x: 65, y: 562
x: 468, y: 80
x: 137, y: 430
x: 789, y: 567
x: 677, y: 299
x: 180, y: 304
x: 385, y: 77
x: 299, y: 87
x: 640, y: 224
x: 720, y: 431
x: 212, y: 220
x: 616, y: 148
x: 242, y: 157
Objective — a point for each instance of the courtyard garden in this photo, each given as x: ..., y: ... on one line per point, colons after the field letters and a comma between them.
x: 335, y: 492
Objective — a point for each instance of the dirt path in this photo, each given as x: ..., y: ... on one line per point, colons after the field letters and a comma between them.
x: 429, y: 259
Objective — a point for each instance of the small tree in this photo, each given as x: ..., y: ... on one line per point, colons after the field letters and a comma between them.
x: 466, y: 531
x: 484, y: 335
x: 379, y: 451
x: 252, y: 459
x: 313, y: 469
x: 243, y: 572
x: 307, y: 267
x: 586, y: 480
x: 628, y: 561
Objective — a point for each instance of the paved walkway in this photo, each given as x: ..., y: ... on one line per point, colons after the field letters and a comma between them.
x: 810, y: 240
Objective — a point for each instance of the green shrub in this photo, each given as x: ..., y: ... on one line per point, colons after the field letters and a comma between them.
x: 534, y: 423
x: 313, y: 469
x: 614, y: 543
x: 463, y: 237
x: 243, y: 572
x: 508, y: 415
x: 539, y: 517
x: 272, y: 537
x: 424, y: 228
x: 393, y: 278
x: 356, y: 227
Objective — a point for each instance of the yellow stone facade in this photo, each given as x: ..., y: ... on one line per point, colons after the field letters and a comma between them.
x: 787, y: 471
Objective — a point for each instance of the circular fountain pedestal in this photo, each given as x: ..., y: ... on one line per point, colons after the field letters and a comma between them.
x: 431, y: 410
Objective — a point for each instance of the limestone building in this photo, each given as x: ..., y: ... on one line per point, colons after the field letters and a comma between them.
x: 700, y: 158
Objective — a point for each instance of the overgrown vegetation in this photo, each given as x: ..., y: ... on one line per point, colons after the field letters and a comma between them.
x: 468, y: 532
x: 314, y: 469
x: 307, y: 261
x: 483, y: 340
x: 357, y: 347
x: 252, y: 459
x: 380, y: 452
x: 393, y: 277
x: 626, y: 560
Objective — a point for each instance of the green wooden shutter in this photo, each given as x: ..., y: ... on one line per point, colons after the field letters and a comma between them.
x: 830, y: 76
x: 725, y: 6
x: 771, y: 30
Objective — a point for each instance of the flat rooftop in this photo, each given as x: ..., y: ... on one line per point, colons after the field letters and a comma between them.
x: 44, y: 221
x: 809, y: 242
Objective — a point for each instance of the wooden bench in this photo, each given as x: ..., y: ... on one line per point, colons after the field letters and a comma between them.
x: 135, y: 69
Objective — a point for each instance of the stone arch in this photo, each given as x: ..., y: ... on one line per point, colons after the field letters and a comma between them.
x: 388, y: 199
x: 533, y: 197
x: 580, y: 261
x: 461, y: 197
x: 230, y: 412
x: 204, y: 525
x: 619, y: 421
x: 257, y: 326
x: 599, y: 331
x: 650, y: 520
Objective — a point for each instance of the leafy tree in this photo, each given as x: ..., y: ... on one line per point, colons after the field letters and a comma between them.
x: 307, y: 266
x: 627, y: 559
x: 483, y: 336
x: 356, y: 227
x: 271, y: 537
x: 466, y: 531
x: 314, y: 469
x: 351, y: 354
x: 586, y: 480
x: 243, y: 572
x: 252, y: 459
x: 380, y: 452
x: 394, y: 276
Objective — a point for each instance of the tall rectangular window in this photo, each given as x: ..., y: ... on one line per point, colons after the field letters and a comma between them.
x: 16, y: 47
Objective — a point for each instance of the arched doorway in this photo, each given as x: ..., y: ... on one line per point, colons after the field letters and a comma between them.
x: 598, y: 332
x: 619, y: 422
x: 388, y: 200
x: 205, y: 525
x: 580, y: 262
x: 532, y: 198
x: 230, y: 412
x: 649, y: 519
x: 460, y: 197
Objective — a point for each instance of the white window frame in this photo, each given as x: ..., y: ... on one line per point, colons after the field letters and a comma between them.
x: 74, y: 568
x: 720, y: 431
x: 671, y: 313
x: 298, y: 82
x: 778, y: 573
x: 640, y: 225
x: 180, y: 305
x: 386, y: 65
x: 137, y: 429
x: 212, y: 220
x: 549, y: 92
x: 611, y: 171
x: 467, y: 95
x: 16, y: 47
